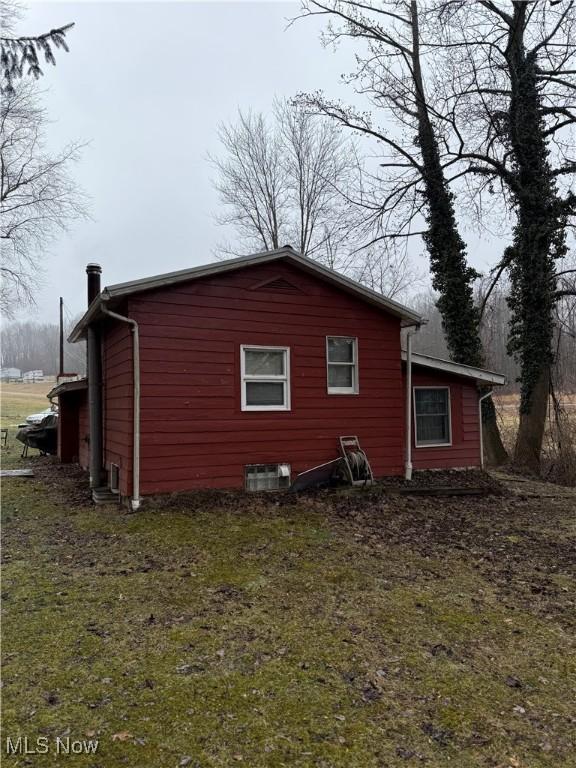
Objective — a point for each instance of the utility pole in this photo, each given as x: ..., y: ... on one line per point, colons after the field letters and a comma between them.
x: 61, y: 368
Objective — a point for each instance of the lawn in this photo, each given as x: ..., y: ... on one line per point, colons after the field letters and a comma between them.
x: 20, y: 400
x: 342, y: 630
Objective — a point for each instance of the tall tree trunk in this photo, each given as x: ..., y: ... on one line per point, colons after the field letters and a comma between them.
x: 538, y: 240
x: 494, y: 452
x: 532, y: 423
x: 452, y: 277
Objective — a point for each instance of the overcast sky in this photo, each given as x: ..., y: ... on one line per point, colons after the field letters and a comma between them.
x: 147, y: 85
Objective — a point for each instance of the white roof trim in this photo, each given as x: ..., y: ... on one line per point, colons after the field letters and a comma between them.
x: 438, y: 364
x: 120, y: 290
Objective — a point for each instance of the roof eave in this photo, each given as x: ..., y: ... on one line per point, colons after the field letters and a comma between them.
x: 480, y: 375
x: 79, y: 331
x: 162, y: 281
x: 121, y: 290
x: 76, y: 385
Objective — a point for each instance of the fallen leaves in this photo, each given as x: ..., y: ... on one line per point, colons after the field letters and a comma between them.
x: 122, y: 736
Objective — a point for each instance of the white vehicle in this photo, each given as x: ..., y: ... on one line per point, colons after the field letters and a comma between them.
x: 36, y: 418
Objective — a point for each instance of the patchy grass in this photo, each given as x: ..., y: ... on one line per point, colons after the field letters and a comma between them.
x: 336, y: 631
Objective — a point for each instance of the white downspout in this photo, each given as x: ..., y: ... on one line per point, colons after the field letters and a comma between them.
x: 408, y: 465
x: 135, y: 501
x: 488, y: 394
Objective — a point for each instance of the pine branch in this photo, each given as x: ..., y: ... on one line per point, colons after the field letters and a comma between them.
x: 20, y: 56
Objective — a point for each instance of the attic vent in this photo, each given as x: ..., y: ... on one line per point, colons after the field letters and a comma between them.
x: 267, y: 477
x: 277, y: 285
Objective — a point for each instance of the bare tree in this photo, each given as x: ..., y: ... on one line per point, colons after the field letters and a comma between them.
x: 285, y: 181
x: 37, y: 195
x: 387, y: 270
x: 251, y: 183
x: 319, y: 166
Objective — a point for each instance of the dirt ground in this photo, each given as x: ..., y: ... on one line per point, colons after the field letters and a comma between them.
x: 336, y: 630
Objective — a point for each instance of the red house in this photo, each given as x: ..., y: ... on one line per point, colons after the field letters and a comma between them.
x: 245, y: 373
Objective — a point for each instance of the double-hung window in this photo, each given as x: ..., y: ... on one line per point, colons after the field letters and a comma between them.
x: 265, y: 378
x: 342, y: 365
x: 432, y: 416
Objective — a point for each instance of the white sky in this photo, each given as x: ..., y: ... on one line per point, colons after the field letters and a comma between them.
x: 147, y: 84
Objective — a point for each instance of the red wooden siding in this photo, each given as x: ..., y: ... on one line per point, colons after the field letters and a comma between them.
x: 69, y: 404
x: 465, y: 448
x: 194, y: 433
x: 117, y: 401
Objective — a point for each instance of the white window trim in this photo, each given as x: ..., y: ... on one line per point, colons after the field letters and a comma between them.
x: 355, y: 389
x: 285, y: 379
x: 432, y: 445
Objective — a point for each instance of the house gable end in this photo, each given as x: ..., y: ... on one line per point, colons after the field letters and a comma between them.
x: 114, y: 293
x: 277, y: 284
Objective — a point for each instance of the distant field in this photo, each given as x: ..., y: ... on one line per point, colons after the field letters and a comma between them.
x: 511, y: 401
x: 507, y: 409
x: 20, y: 400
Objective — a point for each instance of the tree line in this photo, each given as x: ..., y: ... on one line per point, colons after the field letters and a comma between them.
x: 34, y: 345
x: 430, y: 340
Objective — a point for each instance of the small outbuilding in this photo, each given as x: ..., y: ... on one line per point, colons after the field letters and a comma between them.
x: 245, y: 373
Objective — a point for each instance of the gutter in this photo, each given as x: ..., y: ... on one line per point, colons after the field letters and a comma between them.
x: 94, y: 368
x: 135, y: 500
x: 488, y: 394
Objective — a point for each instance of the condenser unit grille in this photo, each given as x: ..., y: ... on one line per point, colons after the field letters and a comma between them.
x: 267, y: 477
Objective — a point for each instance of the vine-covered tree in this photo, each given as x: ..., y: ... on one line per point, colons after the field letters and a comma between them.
x: 413, y: 184
x: 511, y: 98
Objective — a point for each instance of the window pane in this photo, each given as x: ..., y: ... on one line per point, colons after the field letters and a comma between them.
x: 264, y: 362
x: 341, y: 376
x: 264, y: 393
x: 432, y: 429
x: 340, y: 350
x: 431, y: 401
